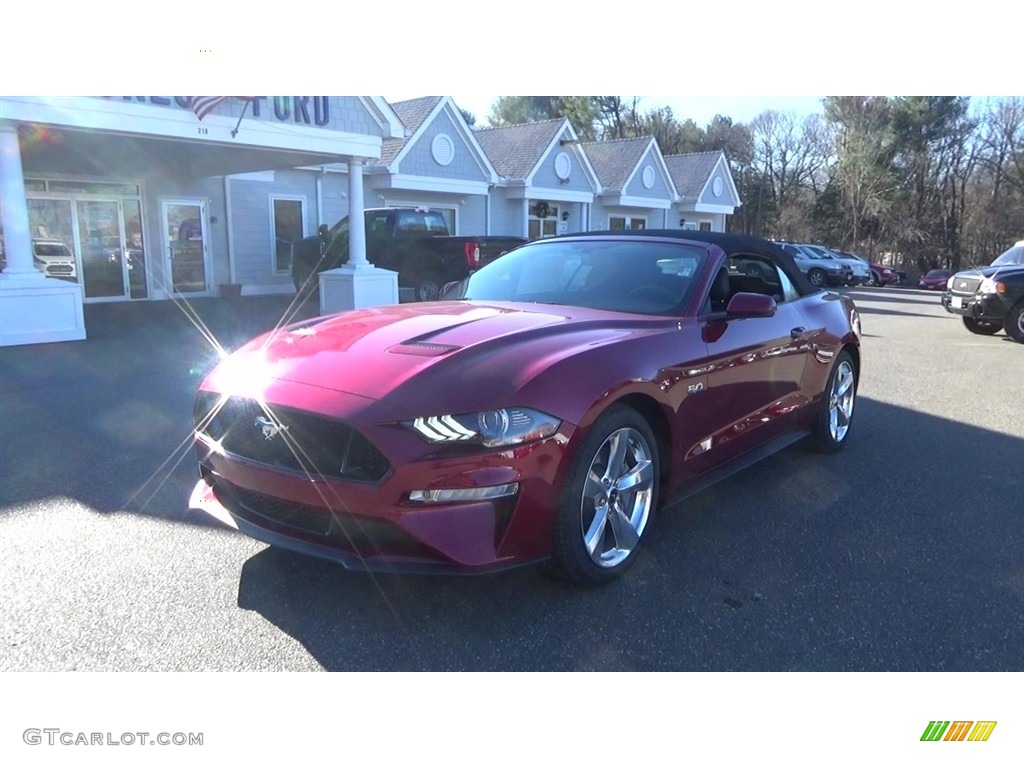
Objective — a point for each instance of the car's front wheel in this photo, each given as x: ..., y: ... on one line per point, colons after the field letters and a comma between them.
x: 817, y: 278
x: 835, y: 413
x: 1014, y: 324
x: 982, y: 327
x: 609, y: 499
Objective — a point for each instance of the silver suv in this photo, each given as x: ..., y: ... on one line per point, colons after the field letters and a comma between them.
x: 820, y: 270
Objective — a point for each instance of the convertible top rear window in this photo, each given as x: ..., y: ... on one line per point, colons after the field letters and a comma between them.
x: 640, y: 277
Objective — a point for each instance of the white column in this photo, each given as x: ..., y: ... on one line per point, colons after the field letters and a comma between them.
x: 17, y: 238
x: 357, y: 284
x: 356, y: 220
x: 34, y: 309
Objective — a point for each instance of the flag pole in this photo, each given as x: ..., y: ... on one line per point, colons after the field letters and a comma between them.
x: 235, y: 132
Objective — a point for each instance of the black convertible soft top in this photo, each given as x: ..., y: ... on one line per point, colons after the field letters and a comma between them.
x: 732, y: 245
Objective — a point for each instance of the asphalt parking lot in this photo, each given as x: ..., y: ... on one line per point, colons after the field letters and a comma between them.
x: 902, y: 552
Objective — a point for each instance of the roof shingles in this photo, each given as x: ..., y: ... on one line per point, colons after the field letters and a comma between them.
x: 515, y: 150
x: 412, y: 113
x: 615, y: 160
x: 691, y: 172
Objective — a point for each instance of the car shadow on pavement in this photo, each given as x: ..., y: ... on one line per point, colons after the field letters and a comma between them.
x: 108, y: 420
x: 905, y: 557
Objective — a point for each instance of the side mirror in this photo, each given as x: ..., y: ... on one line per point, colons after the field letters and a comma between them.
x: 322, y: 231
x: 751, y: 305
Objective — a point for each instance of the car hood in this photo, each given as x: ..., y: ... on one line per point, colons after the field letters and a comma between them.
x: 413, y: 355
x: 990, y: 271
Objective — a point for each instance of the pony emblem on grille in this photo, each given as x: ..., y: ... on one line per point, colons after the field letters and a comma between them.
x: 269, y: 428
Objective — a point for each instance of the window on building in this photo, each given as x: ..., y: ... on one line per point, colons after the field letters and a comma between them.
x: 627, y: 222
x: 705, y: 226
x: 287, y: 226
x: 540, y: 226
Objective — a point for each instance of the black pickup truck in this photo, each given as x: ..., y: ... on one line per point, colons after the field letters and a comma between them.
x: 414, y: 242
x: 990, y: 298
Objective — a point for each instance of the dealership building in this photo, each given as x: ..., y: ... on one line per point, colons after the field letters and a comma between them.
x: 143, y: 198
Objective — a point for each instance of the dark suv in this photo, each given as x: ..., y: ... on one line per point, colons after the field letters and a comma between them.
x: 992, y: 297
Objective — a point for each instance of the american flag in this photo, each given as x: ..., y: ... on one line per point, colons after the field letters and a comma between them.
x: 203, y: 105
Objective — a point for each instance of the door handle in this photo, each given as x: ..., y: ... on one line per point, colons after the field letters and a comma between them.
x: 797, y: 332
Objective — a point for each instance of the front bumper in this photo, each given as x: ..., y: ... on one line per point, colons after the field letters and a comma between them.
x: 980, y: 306
x: 375, y: 527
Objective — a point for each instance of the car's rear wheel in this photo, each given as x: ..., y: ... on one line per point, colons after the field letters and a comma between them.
x: 983, y: 327
x: 428, y: 288
x: 835, y: 414
x: 1014, y: 324
x: 609, y: 499
x: 817, y: 278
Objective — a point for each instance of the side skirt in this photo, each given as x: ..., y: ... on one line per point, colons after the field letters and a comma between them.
x: 737, y: 464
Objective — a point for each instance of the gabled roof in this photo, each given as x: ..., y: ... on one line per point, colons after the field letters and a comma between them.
x: 690, y: 173
x: 412, y: 114
x: 615, y: 161
x: 516, y: 150
x: 416, y: 114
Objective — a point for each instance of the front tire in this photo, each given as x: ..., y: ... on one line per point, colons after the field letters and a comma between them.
x: 981, y: 327
x: 610, y: 496
x: 832, y: 424
x: 817, y: 278
x: 1014, y: 324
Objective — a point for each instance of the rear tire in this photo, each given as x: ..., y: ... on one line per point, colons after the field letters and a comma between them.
x: 428, y: 289
x: 1014, y: 325
x: 982, y: 327
x: 831, y: 427
x: 608, y: 501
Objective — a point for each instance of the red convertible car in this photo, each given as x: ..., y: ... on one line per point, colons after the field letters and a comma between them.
x: 545, y: 410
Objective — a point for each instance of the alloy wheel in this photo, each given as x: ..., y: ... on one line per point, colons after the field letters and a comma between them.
x: 618, y: 494
x: 840, y: 403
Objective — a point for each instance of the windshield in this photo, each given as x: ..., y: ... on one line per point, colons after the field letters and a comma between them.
x: 938, y: 273
x: 821, y: 253
x: 51, y: 249
x: 1014, y: 255
x: 620, y: 275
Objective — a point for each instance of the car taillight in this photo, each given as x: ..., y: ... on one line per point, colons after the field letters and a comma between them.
x: 473, y: 255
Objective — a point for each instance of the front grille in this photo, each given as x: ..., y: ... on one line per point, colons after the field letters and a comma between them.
x: 363, y: 536
x: 966, y: 285
x: 290, y: 439
x: 59, y: 269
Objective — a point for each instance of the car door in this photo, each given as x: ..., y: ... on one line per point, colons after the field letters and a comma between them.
x: 755, y: 365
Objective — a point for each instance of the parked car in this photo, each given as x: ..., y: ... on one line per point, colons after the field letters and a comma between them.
x: 860, y: 273
x: 545, y: 411
x: 880, y: 274
x: 54, y: 258
x: 414, y: 242
x: 820, y: 270
x: 934, y: 280
x: 990, y: 298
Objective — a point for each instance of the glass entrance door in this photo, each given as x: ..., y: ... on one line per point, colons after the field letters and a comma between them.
x: 185, y: 235
x: 101, y: 243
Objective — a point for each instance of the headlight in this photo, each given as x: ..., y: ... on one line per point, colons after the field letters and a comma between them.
x: 503, y: 426
x: 949, y: 283
x: 988, y: 285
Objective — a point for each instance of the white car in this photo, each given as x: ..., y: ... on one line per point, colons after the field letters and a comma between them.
x: 861, y: 271
x: 54, y: 258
